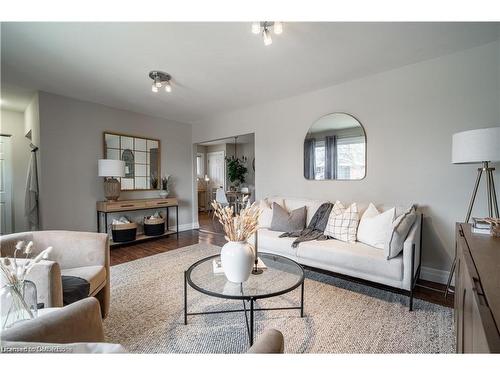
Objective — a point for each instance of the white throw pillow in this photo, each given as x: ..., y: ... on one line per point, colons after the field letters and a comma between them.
x: 342, y: 223
x: 374, y: 226
x: 266, y: 211
x: 399, y: 231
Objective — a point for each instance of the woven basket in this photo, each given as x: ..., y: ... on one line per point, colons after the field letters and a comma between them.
x: 154, y: 220
x: 154, y: 226
x: 124, y: 232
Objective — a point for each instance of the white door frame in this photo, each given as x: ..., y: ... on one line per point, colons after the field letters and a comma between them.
x: 6, y: 189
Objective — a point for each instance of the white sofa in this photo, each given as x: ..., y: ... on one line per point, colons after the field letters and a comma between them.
x: 351, y: 259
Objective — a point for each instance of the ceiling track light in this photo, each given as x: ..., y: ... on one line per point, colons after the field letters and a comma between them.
x: 160, y: 79
x: 264, y: 27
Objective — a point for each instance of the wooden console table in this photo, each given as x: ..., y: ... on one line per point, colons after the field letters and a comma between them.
x: 104, y: 208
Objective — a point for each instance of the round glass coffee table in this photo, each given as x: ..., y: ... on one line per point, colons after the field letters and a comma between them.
x: 281, y: 275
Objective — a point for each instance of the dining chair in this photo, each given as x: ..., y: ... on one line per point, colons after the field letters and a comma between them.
x: 221, y: 198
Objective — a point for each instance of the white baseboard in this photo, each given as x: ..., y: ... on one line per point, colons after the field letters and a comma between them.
x: 435, y: 275
x: 184, y: 227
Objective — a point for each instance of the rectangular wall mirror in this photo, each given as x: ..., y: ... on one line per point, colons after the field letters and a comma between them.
x: 141, y: 156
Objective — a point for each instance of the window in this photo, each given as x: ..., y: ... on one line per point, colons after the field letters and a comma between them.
x: 350, y: 158
x: 319, y: 160
x: 200, y: 165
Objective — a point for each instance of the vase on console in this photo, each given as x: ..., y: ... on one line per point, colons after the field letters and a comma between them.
x: 237, y: 255
x: 165, y: 184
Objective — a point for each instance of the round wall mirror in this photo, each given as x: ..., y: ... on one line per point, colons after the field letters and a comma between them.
x: 335, y: 149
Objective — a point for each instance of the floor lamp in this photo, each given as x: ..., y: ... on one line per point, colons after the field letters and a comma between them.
x: 480, y: 146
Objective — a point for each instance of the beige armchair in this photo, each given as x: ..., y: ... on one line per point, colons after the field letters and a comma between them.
x: 79, y: 254
x: 78, y: 327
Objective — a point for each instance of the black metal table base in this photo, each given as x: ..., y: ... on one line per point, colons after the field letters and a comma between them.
x: 249, y: 320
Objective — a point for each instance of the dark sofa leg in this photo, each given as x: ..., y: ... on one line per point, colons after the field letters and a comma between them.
x: 412, y: 282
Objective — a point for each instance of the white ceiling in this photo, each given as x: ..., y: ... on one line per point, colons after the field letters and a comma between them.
x: 216, y: 67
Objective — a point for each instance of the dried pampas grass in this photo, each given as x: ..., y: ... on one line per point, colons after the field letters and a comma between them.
x: 239, y: 227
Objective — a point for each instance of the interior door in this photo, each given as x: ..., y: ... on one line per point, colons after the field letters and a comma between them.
x: 216, y: 169
x: 5, y: 186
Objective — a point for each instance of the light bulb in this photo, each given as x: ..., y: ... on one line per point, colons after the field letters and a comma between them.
x: 256, y: 27
x: 168, y: 88
x: 154, y: 88
x: 278, y: 28
x: 267, y: 37
x: 157, y: 83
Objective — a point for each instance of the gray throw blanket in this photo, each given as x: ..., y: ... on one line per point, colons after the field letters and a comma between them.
x: 316, y: 227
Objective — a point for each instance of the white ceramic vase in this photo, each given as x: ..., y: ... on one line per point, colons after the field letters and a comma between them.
x: 237, y: 259
x: 163, y: 193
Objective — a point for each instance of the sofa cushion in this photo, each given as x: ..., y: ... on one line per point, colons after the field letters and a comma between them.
x: 399, y: 230
x: 375, y: 226
x: 284, y: 221
x: 266, y: 211
x: 95, y: 275
x: 356, y: 256
x: 342, y: 224
x: 270, y: 241
x: 310, y: 204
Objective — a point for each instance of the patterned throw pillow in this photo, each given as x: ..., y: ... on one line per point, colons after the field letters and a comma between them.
x: 343, y: 223
x: 399, y: 231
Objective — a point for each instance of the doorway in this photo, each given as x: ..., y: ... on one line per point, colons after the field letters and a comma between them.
x: 212, y: 173
x: 5, y: 185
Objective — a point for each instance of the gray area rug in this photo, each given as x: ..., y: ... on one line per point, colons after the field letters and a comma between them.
x: 146, y: 314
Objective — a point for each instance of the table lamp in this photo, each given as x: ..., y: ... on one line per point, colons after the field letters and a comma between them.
x: 109, y: 169
x: 479, y: 146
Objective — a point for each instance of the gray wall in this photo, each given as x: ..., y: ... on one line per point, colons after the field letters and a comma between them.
x: 71, y: 143
x: 409, y: 115
x: 13, y: 124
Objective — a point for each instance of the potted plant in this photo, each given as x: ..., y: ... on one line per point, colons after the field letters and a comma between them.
x: 236, y: 170
x: 237, y: 255
x: 165, y: 184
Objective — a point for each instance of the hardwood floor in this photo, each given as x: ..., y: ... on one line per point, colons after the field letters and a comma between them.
x: 128, y: 253
x: 209, y: 225
x: 425, y: 290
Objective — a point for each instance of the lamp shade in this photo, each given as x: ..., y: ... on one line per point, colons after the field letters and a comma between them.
x: 476, y: 146
x: 111, y: 168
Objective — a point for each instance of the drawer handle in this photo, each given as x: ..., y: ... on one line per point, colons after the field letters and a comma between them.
x: 477, y: 286
x: 127, y: 205
x: 161, y: 202
x: 480, y: 300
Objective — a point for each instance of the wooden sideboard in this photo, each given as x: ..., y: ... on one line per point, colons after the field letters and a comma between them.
x: 104, y: 208
x: 477, y: 292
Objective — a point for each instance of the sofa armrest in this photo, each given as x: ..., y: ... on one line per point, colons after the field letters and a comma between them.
x: 74, y: 249
x: 79, y: 322
x: 413, y: 240
x: 270, y: 342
